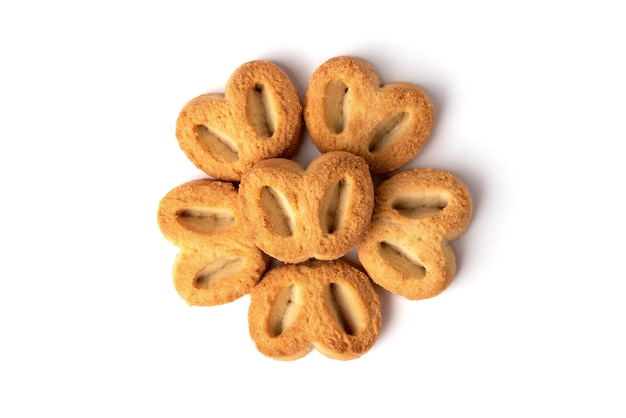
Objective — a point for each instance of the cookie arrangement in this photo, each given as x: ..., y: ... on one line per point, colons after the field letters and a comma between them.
x: 257, y: 205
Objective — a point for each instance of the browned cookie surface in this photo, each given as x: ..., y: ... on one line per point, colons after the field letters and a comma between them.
x: 217, y: 262
x: 259, y: 116
x: 406, y: 248
x: 348, y: 108
x: 327, y: 305
x: 294, y: 214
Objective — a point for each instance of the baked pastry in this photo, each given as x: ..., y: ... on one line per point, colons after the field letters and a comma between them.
x: 327, y: 305
x: 259, y: 116
x: 294, y: 214
x: 347, y: 108
x: 217, y: 263
x: 417, y: 213
x: 308, y: 219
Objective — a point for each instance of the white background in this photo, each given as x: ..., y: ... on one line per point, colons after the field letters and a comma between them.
x: 529, y: 102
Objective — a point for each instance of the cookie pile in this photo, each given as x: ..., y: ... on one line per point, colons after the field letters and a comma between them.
x: 258, y: 205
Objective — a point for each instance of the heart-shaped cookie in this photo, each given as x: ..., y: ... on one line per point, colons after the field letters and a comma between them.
x: 327, y: 305
x: 294, y: 214
x: 259, y: 116
x: 348, y: 108
x: 417, y: 213
x: 217, y: 263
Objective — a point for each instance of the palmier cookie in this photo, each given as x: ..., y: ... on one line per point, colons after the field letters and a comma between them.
x: 348, y: 108
x: 259, y: 116
x: 417, y: 213
x: 327, y: 305
x: 217, y: 263
x: 294, y: 214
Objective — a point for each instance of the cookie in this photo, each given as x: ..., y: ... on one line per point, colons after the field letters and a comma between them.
x: 293, y: 214
x: 217, y: 264
x: 348, y: 108
x: 259, y: 116
x: 406, y: 249
x: 327, y: 305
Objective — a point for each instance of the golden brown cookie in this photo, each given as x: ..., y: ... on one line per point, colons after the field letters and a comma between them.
x: 327, y: 305
x: 217, y: 262
x: 294, y: 214
x: 348, y: 108
x: 406, y: 248
x: 259, y: 116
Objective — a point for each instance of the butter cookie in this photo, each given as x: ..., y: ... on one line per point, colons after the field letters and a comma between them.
x: 217, y: 262
x: 259, y: 116
x: 348, y: 108
x: 417, y: 213
x: 327, y: 305
x: 294, y: 214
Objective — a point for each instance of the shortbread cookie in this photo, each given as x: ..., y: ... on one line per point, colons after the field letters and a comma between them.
x: 327, y: 305
x: 348, y: 108
x: 294, y: 214
x: 259, y: 116
x: 217, y: 263
x: 406, y: 248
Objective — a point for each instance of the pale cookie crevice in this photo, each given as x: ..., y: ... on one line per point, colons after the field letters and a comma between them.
x: 421, y: 205
x: 220, y: 146
x: 400, y: 260
x: 205, y: 221
x: 277, y: 211
x: 284, y: 310
x: 261, y: 111
x: 335, y: 205
x: 387, y: 132
x: 219, y: 269
x: 334, y: 105
x: 345, y: 308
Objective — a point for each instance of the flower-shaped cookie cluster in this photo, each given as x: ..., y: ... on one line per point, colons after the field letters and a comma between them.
x: 257, y: 204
